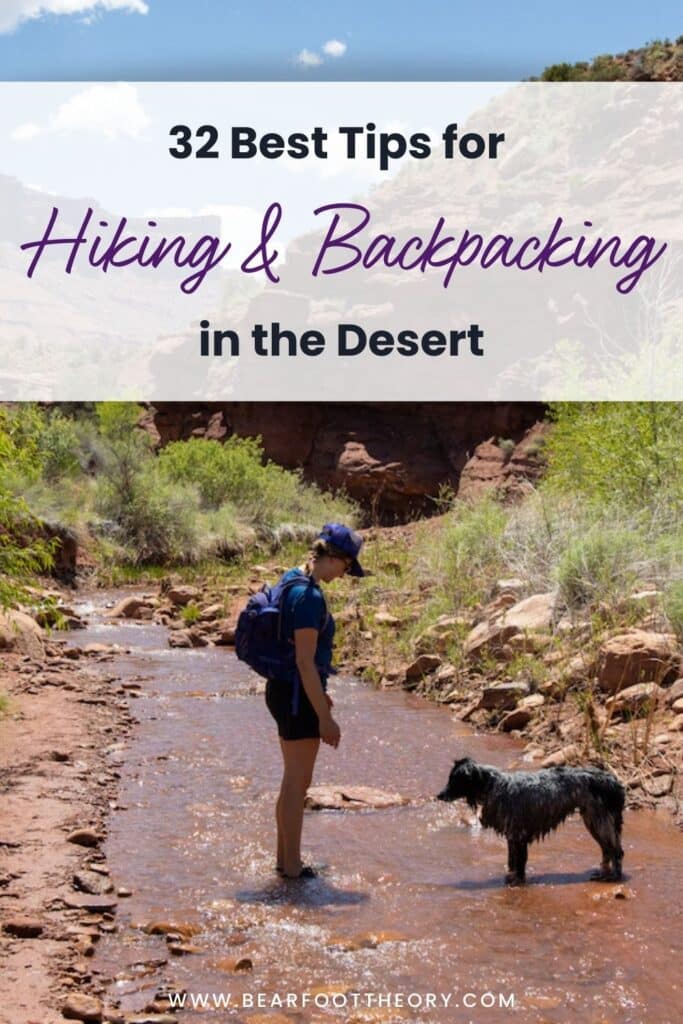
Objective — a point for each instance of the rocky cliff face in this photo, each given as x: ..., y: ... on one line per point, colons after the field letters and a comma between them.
x: 391, y: 457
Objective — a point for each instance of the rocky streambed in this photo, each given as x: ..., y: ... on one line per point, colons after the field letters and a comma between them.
x: 163, y: 761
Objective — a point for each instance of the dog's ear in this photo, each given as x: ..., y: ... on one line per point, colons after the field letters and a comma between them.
x: 460, y: 762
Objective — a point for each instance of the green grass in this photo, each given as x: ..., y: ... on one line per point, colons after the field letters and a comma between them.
x: 673, y: 606
x: 191, y: 613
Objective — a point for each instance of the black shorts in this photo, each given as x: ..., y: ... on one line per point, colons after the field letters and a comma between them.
x: 302, y: 726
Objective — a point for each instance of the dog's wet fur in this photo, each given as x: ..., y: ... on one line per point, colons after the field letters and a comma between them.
x: 526, y: 806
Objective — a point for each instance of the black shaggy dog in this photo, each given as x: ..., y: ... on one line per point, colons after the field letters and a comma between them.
x: 524, y: 806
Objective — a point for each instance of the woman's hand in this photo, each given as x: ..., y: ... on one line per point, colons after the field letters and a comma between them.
x: 330, y: 702
x: 330, y: 732
x: 305, y: 641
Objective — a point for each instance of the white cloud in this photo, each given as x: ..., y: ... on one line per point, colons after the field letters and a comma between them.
x: 110, y: 110
x: 311, y: 59
x: 13, y: 12
x: 25, y: 132
x: 334, y: 48
x: 308, y: 59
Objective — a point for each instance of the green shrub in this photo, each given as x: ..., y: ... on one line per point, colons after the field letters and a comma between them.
x: 22, y: 553
x: 562, y: 73
x: 622, y: 454
x: 599, y: 566
x: 190, y: 613
x: 673, y: 606
x: 236, y: 474
x: 230, y: 471
x: 467, y: 554
x: 156, y: 522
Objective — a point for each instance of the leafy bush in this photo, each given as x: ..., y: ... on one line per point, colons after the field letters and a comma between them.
x: 235, y: 473
x: 22, y: 553
x: 625, y: 454
x: 230, y: 471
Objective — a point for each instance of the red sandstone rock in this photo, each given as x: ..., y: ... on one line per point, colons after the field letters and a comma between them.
x: 23, y: 927
x: 393, y: 456
x: 636, y: 657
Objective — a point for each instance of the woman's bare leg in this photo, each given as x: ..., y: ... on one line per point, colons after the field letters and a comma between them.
x: 299, y: 759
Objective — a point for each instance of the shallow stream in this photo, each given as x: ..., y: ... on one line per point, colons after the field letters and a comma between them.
x: 195, y: 844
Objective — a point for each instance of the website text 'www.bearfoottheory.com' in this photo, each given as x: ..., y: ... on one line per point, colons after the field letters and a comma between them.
x: 339, y: 1001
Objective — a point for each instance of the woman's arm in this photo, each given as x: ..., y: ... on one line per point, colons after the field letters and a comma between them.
x: 305, y: 643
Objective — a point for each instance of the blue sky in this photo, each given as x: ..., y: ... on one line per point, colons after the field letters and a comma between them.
x: 286, y: 39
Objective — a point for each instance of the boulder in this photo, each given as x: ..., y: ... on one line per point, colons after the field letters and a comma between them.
x: 518, y: 718
x: 180, y: 638
x: 637, y: 657
x: 534, y: 700
x: 445, y: 675
x: 180, y: 595
x: 635, y: 700
x: 503, y: 696
x: 488, y: 638
x: 20, y: 632
x: 213, y: 612
x: 128, y: 608
x: 81, y: 1007
x: 658, y: 786
x: 674, y: 692
x: 440, y: 635
x: 423, y: 666
x: 578, y: 669
x: 348, y: 798
x: 533, y: 614
x: 567, y: 755
x: 226, y: 634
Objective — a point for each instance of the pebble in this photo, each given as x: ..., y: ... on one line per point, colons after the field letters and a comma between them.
x: 91, y: 882
x: 84, y: 837
x: 23, y: 927
x: 81, y: 1007
x: 86, y: 901
x: 232, y: 965
x: 165, y: 927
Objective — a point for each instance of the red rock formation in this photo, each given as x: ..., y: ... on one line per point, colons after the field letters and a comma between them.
x: 391, y: 457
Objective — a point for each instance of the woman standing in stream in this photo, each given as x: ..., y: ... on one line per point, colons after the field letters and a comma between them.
x: 299, y: 703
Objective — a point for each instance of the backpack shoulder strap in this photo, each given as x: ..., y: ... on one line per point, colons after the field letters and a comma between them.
x: 303, y: 581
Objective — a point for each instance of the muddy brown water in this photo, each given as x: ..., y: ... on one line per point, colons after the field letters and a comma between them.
x: 194, y: 842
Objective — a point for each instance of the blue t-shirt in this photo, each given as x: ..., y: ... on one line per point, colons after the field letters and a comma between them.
x: 303, y: 607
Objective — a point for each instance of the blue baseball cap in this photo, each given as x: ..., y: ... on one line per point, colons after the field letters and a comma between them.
x: 347, y: 541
